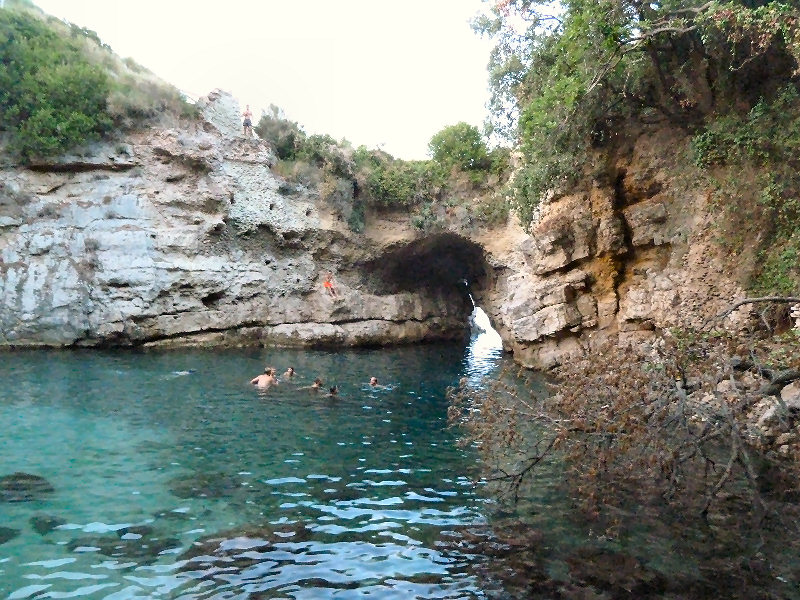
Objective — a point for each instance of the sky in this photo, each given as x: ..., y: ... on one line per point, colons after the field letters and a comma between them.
x: 384, y: 73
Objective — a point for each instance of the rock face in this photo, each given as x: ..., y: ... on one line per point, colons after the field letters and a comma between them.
x: 185, y: 236
x: 622, y: 258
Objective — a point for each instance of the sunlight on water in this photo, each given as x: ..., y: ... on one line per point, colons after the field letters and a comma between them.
x: 485, y: 347
x: 167, y: 475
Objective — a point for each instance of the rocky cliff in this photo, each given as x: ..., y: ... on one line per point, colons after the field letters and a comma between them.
x: 184, y: 235
x: 630, y: 252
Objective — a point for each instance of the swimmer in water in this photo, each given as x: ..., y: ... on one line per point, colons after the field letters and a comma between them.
x: 266, y: 379
x: 373, y: 381
x: 289, y: 373
x: 314, y: 387
x: 334, y: 391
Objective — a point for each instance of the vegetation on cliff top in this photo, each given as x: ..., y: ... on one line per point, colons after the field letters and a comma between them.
x: 61, y: 87
x: 353, y: 180
x: 568, y: 85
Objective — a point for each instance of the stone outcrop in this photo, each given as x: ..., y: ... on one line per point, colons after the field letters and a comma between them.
x: 623, y: 258
x: 185, y: 235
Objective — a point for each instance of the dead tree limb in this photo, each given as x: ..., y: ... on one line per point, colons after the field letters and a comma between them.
x: 778, y: 299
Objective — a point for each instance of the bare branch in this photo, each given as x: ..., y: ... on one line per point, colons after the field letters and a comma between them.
x: 778, y: 299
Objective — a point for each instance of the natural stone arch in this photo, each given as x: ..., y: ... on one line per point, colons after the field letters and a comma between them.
x: 434, y: 266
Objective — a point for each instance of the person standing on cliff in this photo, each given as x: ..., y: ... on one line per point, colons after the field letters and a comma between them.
x: 247, y: 124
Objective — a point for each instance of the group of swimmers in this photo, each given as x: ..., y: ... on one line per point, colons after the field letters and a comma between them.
x: 268, y: 379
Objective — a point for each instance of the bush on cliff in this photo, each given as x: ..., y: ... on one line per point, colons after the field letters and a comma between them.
x: 566, y: 84
x: 62, y: 87
x: 51, y: 98
x: 354, y: 180
x: 460, y: 146
x: 752, y: 162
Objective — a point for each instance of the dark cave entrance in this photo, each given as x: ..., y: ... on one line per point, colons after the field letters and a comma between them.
x: 433, y: 266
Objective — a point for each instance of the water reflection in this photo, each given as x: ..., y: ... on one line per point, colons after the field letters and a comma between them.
x: 485, y: 347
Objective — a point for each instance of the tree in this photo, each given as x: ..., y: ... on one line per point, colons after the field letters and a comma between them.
x: 461, y: 146
x: 563, y: 81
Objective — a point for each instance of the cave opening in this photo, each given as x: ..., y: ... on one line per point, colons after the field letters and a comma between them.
x: 437, y: 267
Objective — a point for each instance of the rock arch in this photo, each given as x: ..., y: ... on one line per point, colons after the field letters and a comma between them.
x: 431, y: 266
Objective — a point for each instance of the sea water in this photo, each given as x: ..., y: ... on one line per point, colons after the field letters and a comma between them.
x: 173, y: 477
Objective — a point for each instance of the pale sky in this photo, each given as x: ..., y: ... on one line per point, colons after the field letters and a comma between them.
x: 383, y: 73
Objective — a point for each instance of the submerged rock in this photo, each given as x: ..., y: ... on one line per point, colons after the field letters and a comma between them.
x: 23, y: 487
x: 205, y: 485
x: 240, y: 548
x: 137, y: 548
x: 7, y: 533
x: 135, y: 530
x: 44, y: 524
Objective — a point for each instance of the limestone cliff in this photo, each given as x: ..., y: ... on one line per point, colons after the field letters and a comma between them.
x: 632, y: 251
x: 184, y: 235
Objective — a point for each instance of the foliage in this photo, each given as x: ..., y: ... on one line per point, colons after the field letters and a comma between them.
x: 403, y: 184
x: 51, y: 98
x: 563, y: 80
x: 354, y: 180
x: 284, y: 135
x: 764, y: 141
x: 61, y: 87
x: 460, y: 146
x: 669, y: 428
x: 493, y: 211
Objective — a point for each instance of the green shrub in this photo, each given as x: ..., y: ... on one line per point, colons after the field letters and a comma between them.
x: 493, y: 211
x: 758, y: 184
x: 403, y: 184
x: 425, y: 218
x: 461, y: 146
x: 51, y: 98
x: 284, y: 135
x: 779, y: 272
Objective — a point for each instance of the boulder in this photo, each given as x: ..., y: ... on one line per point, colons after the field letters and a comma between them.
x: 789, y: 405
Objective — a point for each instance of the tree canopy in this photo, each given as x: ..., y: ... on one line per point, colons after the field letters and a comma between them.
x: 460, y: 145
x: 563, y: 78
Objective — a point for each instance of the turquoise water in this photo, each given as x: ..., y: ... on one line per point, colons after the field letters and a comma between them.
x: 173, y: 477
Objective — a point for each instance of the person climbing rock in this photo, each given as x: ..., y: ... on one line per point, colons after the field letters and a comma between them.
x: 328, y: 285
